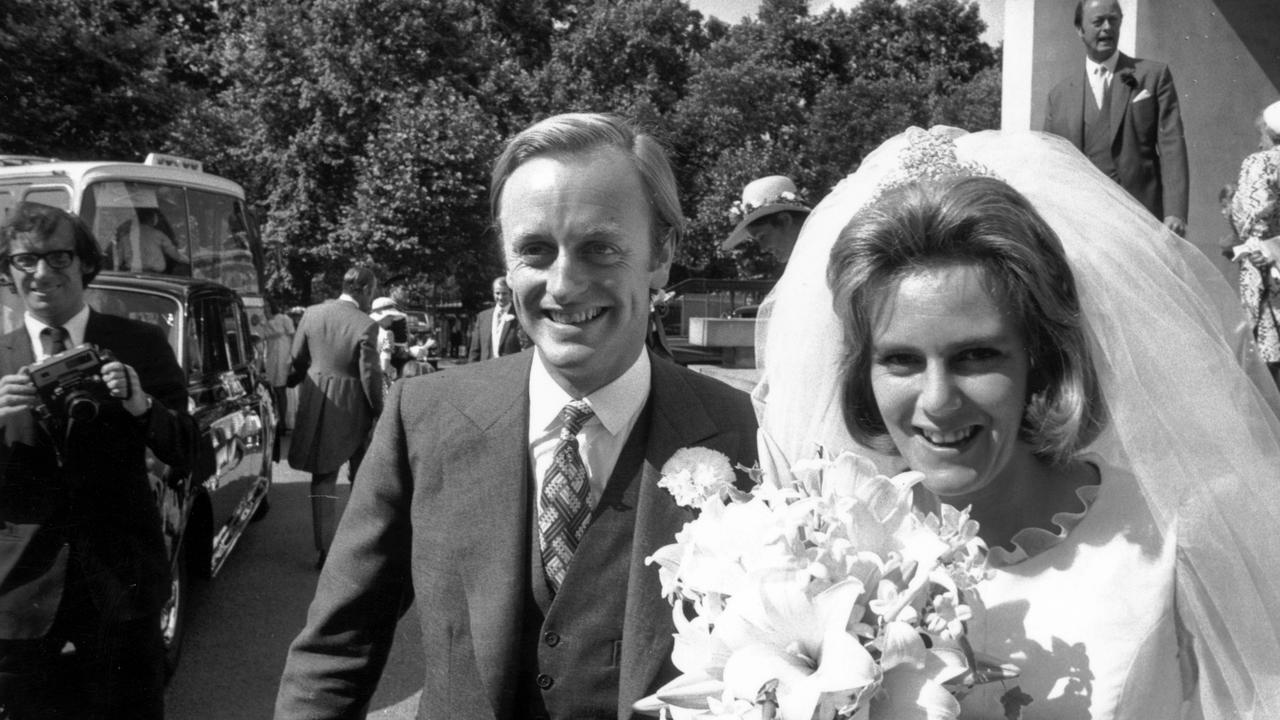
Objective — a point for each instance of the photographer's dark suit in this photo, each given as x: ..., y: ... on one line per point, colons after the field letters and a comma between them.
x: 87, y: 537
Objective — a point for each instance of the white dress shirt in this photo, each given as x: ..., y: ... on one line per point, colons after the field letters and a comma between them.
x: 617, y: 406
x: 74, y: 327
x: 501, y: 317
x: 1100, y: 75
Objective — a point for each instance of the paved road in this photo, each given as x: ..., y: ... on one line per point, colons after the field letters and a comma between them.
x: 242, y: 622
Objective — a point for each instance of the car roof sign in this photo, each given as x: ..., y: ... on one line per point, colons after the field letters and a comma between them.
x: 177, y: 161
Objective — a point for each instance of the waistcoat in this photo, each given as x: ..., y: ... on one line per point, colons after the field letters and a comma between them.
x: 571, y: 647
x: 1098, y: 131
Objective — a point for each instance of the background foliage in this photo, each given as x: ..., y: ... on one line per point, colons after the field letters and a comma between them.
x: 363, y: 129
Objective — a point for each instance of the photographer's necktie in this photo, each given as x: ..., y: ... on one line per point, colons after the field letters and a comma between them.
x: 566, y: 504
x: 54, y: 340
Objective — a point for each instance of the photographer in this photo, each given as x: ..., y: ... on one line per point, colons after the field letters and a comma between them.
x: 82, y: 553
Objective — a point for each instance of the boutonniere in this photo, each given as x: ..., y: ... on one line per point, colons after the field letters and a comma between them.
x: 1126, y: 77
x: 694, y: 475
x: 508, y: 317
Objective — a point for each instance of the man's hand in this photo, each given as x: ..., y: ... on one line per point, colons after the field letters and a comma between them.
x: 1176, y: 224
x: 17, y: 394
x: 122, y: 382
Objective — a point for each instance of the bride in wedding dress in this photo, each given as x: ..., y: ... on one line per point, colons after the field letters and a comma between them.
x: 992, y: 311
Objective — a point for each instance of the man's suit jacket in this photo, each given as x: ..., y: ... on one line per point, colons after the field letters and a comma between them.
x: 482, y: 338
x: 1147, y: 144
x: 335, y: 358
x: 100, y: 505
x: 440, y: 514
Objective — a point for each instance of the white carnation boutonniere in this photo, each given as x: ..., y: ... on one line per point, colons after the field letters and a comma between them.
x: 694, y: 475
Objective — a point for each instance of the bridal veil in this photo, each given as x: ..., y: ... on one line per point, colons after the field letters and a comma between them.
x: 1193, y: 413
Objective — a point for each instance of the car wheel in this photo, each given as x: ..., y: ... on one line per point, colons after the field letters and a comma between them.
x: 173, y: 616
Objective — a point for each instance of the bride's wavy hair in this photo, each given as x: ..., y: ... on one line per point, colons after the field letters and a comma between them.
x: 984, y: 222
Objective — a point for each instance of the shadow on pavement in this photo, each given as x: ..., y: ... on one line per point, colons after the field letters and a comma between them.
x: 241, y: 623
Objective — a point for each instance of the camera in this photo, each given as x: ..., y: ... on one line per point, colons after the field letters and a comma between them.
x: 70, y: 383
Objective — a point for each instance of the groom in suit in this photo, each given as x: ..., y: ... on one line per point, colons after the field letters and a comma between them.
x: 516, y: 500
x: 1122, y: 113
x: 82, y: 552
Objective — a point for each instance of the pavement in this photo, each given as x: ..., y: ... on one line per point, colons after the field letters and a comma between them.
x: 241, y: 623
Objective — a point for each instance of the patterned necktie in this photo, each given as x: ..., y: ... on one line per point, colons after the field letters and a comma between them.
x: 54, y: 340
x: 565, y: 506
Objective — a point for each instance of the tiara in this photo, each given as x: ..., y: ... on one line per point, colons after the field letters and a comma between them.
x: 929, y: 155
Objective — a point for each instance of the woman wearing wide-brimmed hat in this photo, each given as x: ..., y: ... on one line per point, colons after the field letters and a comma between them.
x: 770, y: 212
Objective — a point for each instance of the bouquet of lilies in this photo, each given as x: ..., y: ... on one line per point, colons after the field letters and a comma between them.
x: 821, y: 593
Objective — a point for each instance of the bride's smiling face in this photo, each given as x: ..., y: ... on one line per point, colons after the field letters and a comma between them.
x: 949, y: 374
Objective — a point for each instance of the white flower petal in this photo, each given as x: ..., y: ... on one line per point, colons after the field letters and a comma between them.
x: 910, y: 693
x: 901, y: 645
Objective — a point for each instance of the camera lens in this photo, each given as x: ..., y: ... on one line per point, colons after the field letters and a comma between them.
x: 81, y: 406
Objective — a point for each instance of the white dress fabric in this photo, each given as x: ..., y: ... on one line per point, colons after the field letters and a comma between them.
x: 1193, y: 431
x: 1091, y: 620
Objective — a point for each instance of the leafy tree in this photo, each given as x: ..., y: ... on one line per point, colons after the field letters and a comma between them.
x: 363, y: 129
x: 622, y: 55
x: 808, y: 96
x: 85, y: 80
x: 421, y: 199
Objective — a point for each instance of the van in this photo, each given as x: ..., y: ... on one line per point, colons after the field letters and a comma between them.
x: 163, y: 216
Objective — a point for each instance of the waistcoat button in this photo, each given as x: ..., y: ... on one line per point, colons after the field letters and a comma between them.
x: 551, y: 639
x: 545, y: 681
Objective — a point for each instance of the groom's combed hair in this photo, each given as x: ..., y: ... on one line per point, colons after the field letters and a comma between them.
x: 983, y: 222
x: 574, y: 133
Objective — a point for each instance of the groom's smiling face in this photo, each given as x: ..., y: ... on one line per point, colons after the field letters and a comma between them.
x: 577, y: 232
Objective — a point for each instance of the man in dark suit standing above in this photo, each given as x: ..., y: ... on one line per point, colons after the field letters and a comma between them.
x: 335, y: 358
x: 497, y: 330
x: 516, y: 500
x: 1122, y: 112
x: 82, y: 550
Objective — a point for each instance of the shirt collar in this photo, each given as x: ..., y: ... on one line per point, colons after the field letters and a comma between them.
x: 347, y: 298
x: 614, y: 404
x: 75, y: 328
x: 1091, y: 67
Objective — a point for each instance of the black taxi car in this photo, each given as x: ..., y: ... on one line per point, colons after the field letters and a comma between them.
x: 204, y: 511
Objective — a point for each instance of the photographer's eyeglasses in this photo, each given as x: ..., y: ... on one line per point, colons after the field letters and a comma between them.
x: 57, y: 259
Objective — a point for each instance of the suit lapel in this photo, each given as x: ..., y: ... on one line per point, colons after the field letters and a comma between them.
x: 676, y: 421
x: 19, y: 427
x: 1078, y: 94
x: 492, y: 472
x: 1120, y: 94
x: 17, y: 345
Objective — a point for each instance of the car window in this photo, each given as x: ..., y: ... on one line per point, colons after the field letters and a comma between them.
x: 211, y: 330
x: 140, y: 226
x: 160, y: 310
x: 233, y: 331
x: 220, y: 241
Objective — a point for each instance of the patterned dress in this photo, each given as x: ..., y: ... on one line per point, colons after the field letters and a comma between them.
x: 1255, y: 212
